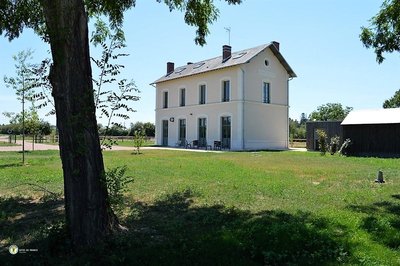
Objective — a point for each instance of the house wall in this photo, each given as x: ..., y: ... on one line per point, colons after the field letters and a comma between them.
x: 266, y: 125
x: 255, y: 125
x: 213, y: 110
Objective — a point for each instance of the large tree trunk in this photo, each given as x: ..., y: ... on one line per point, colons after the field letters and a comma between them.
x: 88, y: 214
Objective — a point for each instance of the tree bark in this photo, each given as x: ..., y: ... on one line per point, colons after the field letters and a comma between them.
x: 88, y: 213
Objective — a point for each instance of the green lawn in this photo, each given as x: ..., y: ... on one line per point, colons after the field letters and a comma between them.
x: 234, y: 208
x: 130, y: 143
x: 4, y: 144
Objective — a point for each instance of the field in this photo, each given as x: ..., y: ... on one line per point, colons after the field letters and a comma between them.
x: 233, y: 208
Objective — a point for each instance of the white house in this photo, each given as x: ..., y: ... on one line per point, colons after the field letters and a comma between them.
x: 239, y: 100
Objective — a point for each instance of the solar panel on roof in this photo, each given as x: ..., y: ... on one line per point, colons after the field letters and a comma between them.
x: 239, y: 55
x: 179, y: 70
x: 198, y: 65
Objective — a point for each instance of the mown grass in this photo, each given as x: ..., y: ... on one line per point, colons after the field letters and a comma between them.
x: 6, y: 144
x: 234, y: 208
x: 130, y: 143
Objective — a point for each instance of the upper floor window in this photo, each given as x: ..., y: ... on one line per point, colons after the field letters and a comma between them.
x: 182, y: 100
x: 202, y: 94
x: 225, y: 90
x: 165, y: 99
x: 266, y: 93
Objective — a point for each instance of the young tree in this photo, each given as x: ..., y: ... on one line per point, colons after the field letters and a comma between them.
x: 330, y: 112
x: 64, y: 25
x: 393, y: 102
x: 383, y: 35
x: 22, y: 85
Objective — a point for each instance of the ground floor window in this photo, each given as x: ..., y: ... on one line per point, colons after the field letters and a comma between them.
x: 164, y: 133
x: 202, y: 131
x: 182, y: 130
x: 226, y: 132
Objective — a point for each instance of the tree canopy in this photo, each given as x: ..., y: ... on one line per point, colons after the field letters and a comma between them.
x: 393, y: 102
x: 383, y: 34
x: 330, y: 112
x: 17, y: 15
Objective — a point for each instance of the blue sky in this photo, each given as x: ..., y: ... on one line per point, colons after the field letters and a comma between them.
x: 319, y: 39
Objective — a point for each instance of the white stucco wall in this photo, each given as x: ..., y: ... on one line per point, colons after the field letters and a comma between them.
x: 266, y: 125
x: 213, y: 110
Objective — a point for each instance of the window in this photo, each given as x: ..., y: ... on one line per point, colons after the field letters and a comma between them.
x: 226, y: 132
x: 165, y: 100
x: 202, y: 94
x: 266, y: 93
x: 182, y: 130
x: 182, y: 97
x: 202, y: 130
x: 164, y: 133
x: 225, y: 90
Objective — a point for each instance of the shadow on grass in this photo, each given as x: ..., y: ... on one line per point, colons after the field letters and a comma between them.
x: 382, y: 221
x: 3, y: 166
x: 174, y: 231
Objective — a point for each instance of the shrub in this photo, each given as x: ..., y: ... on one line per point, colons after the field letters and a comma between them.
x: 333, y: 146
x: 322, y: 137
x: 344, y: 147
x: 117, y: 182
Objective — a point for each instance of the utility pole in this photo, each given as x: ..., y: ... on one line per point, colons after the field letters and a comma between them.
x: 228, y: 29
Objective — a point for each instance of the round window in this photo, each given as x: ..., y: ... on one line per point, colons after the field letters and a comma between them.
x: 266, y: 62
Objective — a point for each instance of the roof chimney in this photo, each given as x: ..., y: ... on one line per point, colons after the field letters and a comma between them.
x: 226, y: 52
x: 276, y: 44
x: 170, y: 67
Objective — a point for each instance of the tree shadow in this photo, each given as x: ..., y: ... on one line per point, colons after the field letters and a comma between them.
x: 382, y: 221
x: 176, y: 231
x: 22, y: 219
x: 10, y: 165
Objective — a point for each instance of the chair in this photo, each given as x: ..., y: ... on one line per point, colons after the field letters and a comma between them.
x: 203, y: 144
x: 217, y: 145
x: 195, y: 144
x: 182, y: 143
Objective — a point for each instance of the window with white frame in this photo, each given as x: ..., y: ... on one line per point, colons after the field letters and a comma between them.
x: 266, y: 92
x: 202, y: 94
x: 182, y: 98
x: 226, y: 87
x: 165, y: 99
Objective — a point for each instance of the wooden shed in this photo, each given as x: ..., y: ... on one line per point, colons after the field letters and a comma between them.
x: 373, y: 132
x: 332, y: 128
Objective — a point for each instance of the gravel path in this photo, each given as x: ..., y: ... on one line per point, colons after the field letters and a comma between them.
x: 43, y: 147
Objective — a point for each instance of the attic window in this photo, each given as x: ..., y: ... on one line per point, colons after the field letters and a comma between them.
x: 198, y: 65
x: 266, y: 62
x: 239, y: 55
x: 179, y: 70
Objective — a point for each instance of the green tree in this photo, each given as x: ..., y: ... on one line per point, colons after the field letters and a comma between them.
x: 383, y: 34
x: 330, y: 112
x: 149, y: 129
x: 393, y: 102
x: 64, y: 25
x: 22, y: 84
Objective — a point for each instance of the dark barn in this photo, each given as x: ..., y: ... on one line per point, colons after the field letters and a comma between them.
x: 332, y: 128
x: 373, y: 132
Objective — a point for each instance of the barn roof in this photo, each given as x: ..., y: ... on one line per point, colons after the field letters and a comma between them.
x: 237, y: 58
x: 373, y: 116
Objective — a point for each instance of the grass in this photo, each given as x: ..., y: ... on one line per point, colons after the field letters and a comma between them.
x: 130, y: 143
x: 6, y: 144
x: 234, y: 208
